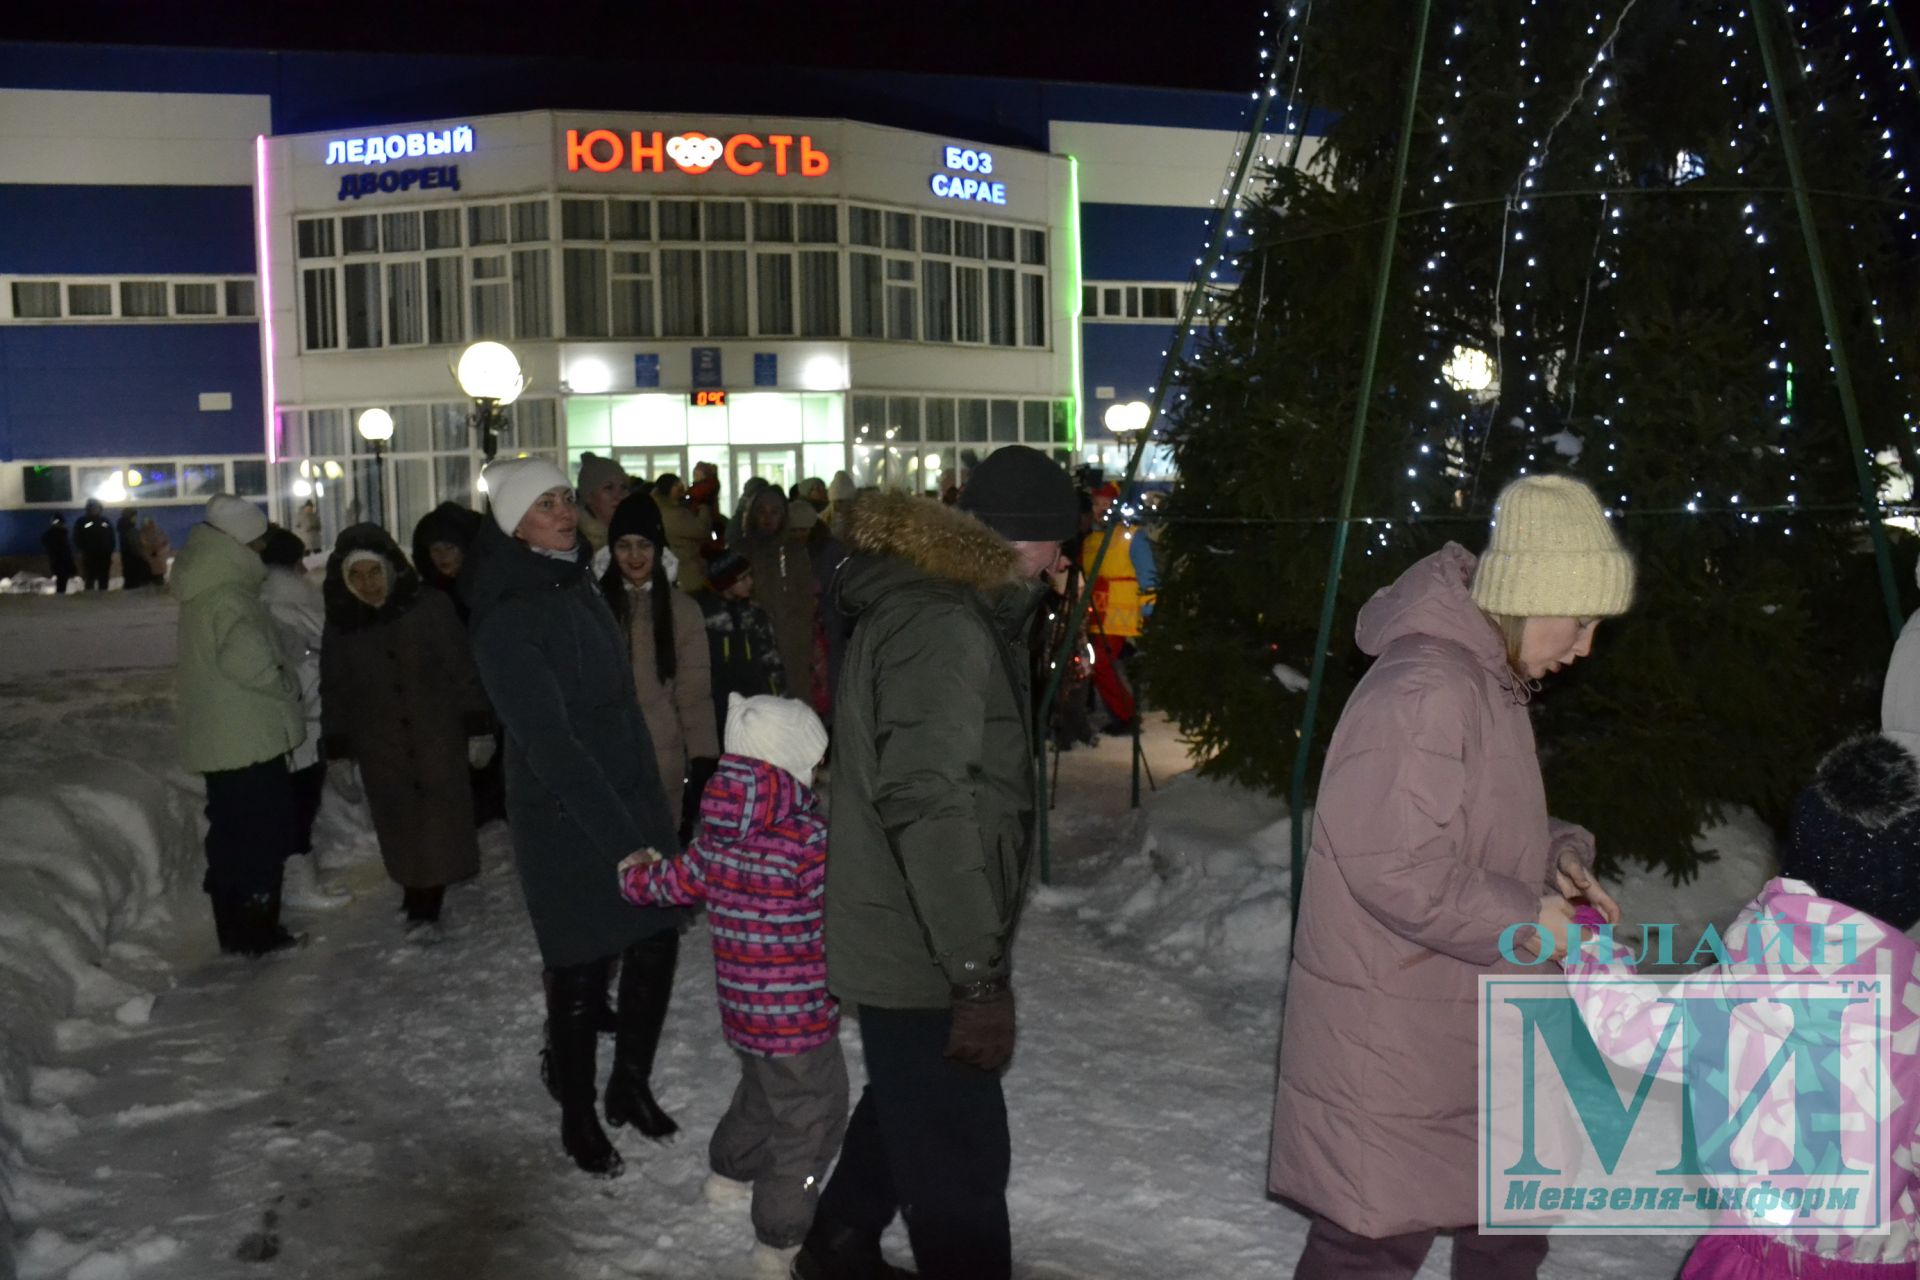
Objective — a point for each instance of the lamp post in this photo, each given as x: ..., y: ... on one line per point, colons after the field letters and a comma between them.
x: 1126, y: 421
x: 490, y: 375
x: 376, y: 428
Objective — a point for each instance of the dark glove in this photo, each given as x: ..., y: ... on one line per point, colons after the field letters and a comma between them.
x: 700, y: 771
x: 982, y: 1033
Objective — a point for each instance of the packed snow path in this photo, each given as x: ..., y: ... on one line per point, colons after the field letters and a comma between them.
x: 367, y: 1107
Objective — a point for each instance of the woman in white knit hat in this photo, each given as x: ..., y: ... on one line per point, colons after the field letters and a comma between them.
x: 1430, y: 837
x: 583, y: 792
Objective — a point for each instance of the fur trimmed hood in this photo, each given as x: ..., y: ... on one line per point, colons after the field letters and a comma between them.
x: 1872, y: 780
x: 938, y: 540
x: 346, y: 611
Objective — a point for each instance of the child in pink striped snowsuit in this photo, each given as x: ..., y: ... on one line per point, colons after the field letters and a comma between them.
x: 758, y: 862
x: 1853, y: 860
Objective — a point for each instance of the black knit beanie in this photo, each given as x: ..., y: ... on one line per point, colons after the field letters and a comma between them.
x: 637, y: 513
x: 284, y: 547
x: 1022, y: 495
x: 725, y: 569
x: 1856, y: 831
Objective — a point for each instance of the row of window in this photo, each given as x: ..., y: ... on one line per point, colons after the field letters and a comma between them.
x: 1153, y: 303
x: 442, y: 427
x: 91, y: 298
x: 142, y: 483
x: 878, y: 421
x: 898, y: 277
x: 644, y: 221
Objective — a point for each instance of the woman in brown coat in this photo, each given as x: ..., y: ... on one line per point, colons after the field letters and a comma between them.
x: 1430, y: 837
x: 783, y: 584
x: 400, y: 695
x: 672, y: 671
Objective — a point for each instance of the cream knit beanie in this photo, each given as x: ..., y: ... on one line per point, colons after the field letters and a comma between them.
x: 1552, y: 554
x: 782, y: 731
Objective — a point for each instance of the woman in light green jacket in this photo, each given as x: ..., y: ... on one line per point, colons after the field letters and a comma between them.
x: 238, y: 708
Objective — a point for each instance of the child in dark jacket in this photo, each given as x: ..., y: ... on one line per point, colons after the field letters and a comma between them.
x: 759, y: 862
x: 740, y: 643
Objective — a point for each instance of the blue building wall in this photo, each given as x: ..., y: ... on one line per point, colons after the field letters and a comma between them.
x: 1142, y: 242
x: 118, y: 391
x: 89, y: 230
x: 111, y: 390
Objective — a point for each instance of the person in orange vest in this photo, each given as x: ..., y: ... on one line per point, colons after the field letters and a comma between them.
x: 1115, y: 617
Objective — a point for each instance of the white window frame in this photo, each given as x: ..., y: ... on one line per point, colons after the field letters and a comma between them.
x: 134, y: 497
x: 1098, y: 315
x: 113, y: 282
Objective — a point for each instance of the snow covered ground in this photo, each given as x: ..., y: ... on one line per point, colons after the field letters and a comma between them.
x: 364, y: 1107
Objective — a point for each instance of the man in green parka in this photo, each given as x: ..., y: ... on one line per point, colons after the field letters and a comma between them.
x: 928, y: 856
x: 238, y: 710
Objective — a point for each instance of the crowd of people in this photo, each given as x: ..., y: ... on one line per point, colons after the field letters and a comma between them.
x: 644, y: 687
x: 145, y: 550
x: 648, y: 692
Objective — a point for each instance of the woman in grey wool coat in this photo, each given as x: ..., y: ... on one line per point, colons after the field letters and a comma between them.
x: 583, y: 792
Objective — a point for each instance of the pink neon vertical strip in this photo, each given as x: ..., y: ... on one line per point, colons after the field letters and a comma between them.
x: 263, y: 259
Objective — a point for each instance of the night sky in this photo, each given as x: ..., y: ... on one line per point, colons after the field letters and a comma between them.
x: 1206, y: 44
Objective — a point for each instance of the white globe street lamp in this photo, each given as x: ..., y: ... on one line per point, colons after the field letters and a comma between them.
x: 490, y: 375
x: 1127, y: 418
x: 1470, y: 370
x: 376, y: 428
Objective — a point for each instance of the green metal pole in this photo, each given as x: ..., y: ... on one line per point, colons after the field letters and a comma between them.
x: 1171, y: 362
x: 1763, y: 19
x: 1389, y: 235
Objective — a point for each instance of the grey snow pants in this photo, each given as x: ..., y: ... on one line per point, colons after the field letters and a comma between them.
x: 780, y: 1133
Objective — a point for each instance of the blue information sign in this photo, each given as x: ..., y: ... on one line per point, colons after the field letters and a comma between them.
x: 706, y: 367
x: 766, y: 368
x: 646, y: 370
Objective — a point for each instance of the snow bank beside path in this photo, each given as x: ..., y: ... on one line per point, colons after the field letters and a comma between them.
x: 97, y: 826
x: 1199, y: 879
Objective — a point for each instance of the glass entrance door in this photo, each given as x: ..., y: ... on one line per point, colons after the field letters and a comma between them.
x: 778, y: 465
x: 651, y: 464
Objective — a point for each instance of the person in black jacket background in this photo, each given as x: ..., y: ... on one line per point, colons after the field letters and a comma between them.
x: 135, y: 570
x: 59, y: 549
x: 583, y: 792
x: 93, y: 539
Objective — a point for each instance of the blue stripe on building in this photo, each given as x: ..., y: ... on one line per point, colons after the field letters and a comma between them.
x: 119, y: 390
x: 94, y: 230
x: 1141, y: 242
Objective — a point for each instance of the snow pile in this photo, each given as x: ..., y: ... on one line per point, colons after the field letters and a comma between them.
x: 92, y: 846
x: 1200, y: 881
x: 1743, y: 861
x: 100, y: 824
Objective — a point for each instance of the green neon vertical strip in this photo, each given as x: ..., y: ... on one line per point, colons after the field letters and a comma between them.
x: 1078, y: 277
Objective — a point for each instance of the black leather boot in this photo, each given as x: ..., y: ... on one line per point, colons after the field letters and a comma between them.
x: 835, y: 1252
x: 226, y: 923
x: 260, y: 932
x: 570, y: 1035
x: 646, y: 985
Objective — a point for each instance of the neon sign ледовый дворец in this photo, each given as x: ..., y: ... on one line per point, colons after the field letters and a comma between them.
x: 960, y: 184
x: 378, y: 148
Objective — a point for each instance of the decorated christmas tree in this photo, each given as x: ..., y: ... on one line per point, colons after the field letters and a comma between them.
x: 1599, y: 269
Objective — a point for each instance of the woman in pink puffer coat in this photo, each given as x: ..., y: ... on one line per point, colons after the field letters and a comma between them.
x: 1430, y: 837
